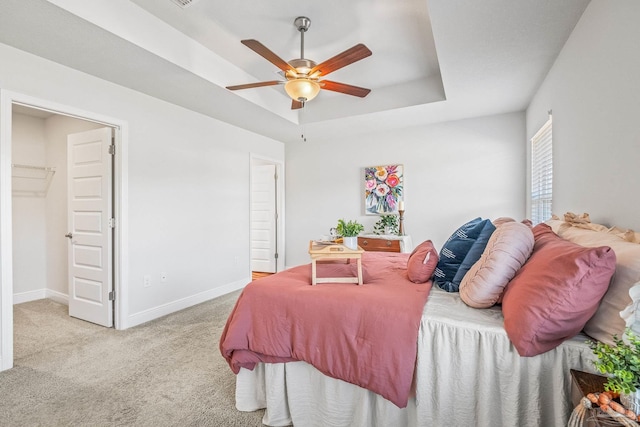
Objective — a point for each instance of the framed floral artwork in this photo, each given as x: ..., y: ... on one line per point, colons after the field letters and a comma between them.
x: 383, y: 189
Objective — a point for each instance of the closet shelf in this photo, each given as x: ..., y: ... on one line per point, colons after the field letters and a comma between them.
x: 30, y: 180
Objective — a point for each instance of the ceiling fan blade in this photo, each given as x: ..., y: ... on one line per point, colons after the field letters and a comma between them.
x: 349, y: 56
x: 263, y: 51
x: 296, y: 105
x: 344, y: 88
x: 251, y: 85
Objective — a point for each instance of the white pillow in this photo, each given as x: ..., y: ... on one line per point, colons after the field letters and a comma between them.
x: 507, y: 250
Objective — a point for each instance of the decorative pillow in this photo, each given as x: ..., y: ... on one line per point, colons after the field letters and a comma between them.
x: 455, y: 250
x: 502, y: 220
x: 628, y: 235
x: 607, y: 322
x: 507, y: 250
x: 475, y: 252
x: 422, y: 262
x: 631, y: 313
x: 555, y: 293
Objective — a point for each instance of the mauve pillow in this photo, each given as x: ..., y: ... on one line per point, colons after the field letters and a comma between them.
x: 422, y: 262
x: 502, y: 220
x: 507, y: 250
x: 555, y: 293
x: 607, y: 322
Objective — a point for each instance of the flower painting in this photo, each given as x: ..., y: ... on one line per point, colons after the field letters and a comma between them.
x: 383, y: 189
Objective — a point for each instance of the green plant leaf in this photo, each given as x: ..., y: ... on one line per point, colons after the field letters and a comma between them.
x: 348, y: 229
x: 620, y: 361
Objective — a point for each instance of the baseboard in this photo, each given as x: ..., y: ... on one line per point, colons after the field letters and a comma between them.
x: 22, y: 297
x: 43, y: 293
x: 162, y: 310
x: 57, y: 297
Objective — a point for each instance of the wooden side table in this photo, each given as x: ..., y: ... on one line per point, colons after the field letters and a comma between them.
x: 385, y: 243
x: 321, y: 252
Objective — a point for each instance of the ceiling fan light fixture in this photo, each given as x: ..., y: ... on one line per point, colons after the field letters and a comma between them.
x: 303, y: 76
x: 302, y: 90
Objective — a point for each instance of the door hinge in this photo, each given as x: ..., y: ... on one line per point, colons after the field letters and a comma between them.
x: 112, y: 149
x: 112, y: 296
x: 275, y: 255
x: 112, y: 222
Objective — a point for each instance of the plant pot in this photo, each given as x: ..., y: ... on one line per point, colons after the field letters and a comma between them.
x: 631, y: 401
x: 350, y: 242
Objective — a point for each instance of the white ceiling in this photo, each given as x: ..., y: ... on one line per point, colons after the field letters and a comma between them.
x: 403, y: 66
x: 432, y: 60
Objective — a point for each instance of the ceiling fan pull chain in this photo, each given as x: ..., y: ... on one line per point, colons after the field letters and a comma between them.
x: 301, y: 115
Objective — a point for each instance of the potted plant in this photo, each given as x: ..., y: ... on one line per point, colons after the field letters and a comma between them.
x: 387, y: 224
x: 349, y: 232
x: 621, y: 362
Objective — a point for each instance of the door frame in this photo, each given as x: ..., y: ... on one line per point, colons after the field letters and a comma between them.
x: 120, y: 207
x: 261, y: 160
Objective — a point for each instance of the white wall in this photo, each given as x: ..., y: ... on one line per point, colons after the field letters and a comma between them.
x: 188, y: 185
x: 453, y: 171
x: 29, y: 248
x: 594, y: 93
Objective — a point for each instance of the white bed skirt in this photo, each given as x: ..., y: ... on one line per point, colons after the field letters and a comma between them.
x: 467, y: 374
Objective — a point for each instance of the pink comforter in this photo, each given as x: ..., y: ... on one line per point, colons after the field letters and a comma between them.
x: 365, y: 335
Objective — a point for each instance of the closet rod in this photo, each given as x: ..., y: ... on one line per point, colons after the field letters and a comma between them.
x: 42, y: 168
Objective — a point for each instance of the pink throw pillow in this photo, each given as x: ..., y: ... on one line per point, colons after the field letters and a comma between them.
x: 607, y: 321
x: 507, y: 250
x: 422, y: 262
x: 555, y: 293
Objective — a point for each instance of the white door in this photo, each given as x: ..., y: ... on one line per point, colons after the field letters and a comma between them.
x: 90, y: 207
x: 263, y: 218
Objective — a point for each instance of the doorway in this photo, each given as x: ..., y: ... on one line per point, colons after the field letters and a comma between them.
x: 12, y: 274
x: 267, y: 216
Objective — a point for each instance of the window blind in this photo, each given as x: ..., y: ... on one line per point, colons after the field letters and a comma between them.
x: 542, y: 174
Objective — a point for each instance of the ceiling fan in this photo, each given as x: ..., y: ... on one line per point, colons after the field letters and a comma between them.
x: 304, y: 78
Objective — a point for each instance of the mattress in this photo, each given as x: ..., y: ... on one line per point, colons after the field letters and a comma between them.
x: 467, y: 374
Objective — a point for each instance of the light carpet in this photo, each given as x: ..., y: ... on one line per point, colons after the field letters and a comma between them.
x: 168, y: 372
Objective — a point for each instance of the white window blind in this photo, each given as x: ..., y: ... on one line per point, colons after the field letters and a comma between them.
x: 541, y: 174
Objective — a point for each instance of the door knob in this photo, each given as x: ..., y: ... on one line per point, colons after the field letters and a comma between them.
x: 69, y: 235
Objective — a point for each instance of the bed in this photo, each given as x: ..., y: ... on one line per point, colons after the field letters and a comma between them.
x: 467, y: 372
x: 363, y: 334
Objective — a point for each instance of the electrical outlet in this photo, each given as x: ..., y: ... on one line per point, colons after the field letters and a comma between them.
x: 163, y: 277
x: 147, y: 280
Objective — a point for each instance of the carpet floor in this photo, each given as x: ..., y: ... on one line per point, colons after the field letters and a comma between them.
x: 168, y: 372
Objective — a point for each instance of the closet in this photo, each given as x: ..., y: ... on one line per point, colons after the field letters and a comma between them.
x: 39, y: 202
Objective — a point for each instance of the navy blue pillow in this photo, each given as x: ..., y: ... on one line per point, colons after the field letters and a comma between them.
x: 455, y: 250
x: 475, y: 252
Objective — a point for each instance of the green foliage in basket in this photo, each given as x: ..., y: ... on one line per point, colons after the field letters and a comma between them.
x: 389, y: 222
x: 348, y: 229
x: 620, y: 361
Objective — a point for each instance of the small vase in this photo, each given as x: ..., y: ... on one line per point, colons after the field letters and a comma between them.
x: 350, y: 242
x: 631, y: 401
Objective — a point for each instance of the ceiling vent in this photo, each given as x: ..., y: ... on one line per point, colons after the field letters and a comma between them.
x: 184, y: 3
